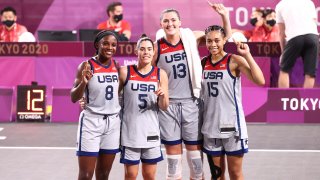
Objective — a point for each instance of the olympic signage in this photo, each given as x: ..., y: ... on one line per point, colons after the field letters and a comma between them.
x: 274, y: 105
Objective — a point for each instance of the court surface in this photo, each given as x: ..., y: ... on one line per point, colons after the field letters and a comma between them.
x: 46, y: 151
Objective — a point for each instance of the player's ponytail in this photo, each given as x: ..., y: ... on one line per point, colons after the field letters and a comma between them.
x: 144, y: 37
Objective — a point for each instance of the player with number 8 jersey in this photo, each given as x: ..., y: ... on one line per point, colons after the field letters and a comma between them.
x: 104, y: 77
x: 98, y: 136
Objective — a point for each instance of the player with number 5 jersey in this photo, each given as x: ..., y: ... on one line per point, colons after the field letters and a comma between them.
x: 145, y: 91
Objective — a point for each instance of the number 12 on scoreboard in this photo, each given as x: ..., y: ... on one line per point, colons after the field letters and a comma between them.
x: 31, y: 103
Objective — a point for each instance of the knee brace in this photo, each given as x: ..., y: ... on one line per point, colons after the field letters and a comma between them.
x: 174, y: 167
x: 194, y: 159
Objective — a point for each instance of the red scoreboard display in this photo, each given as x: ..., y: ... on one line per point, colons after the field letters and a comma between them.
x: 31, y: 103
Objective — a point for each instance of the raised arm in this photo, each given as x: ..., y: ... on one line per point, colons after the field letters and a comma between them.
x: 246, y: 64
x: 224, y: 13
x: 84, y: 74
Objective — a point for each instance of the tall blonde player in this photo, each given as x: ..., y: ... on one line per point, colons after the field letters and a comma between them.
x: 177, y: 54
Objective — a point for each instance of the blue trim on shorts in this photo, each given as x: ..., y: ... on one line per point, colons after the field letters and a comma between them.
x: 122, y: 150
x: 83, y: 153
x: 213, y: 153
x: 80, y: 138
x: 109, y: 151
x: 152, y: 161
x: 126, y: 161
x: 239, y: 152
x: 198, y: 142
x: 237, y: 108
x: 171, y: 142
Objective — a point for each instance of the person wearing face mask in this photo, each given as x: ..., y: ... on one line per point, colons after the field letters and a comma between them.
x: 115, y: 22
x: 270, y: 26
x: 256, y: 20
x: 268, y: 31
x: 10, y: 31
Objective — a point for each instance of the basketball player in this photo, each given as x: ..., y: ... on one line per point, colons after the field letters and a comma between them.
x: 145, y: 90
x: 181, y: 122
x: 224, y: 127
x: 98, y: 136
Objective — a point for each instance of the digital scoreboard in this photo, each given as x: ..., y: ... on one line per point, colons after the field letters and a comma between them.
x: 31, y: 103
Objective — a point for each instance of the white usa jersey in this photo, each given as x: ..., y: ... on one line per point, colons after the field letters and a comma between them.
x: 102, y: 89
x: 173, y: 60
x: 223, y: 115
x: 140, y: 126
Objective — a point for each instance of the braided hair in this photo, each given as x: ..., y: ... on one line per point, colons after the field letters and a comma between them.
x: 215, y: 28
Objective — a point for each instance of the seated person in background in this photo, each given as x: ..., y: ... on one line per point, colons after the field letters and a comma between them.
x: 270, y: 26
x: 10, y: 31
x: 115, y: 22
x: 256, y: 20
x: 269, y: 31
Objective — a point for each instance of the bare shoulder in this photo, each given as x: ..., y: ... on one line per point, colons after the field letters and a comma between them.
x: 163, y: 73
x: 123, y: 70
x: 236, y: 59
x: 199, y: 34
x: 200, y: 37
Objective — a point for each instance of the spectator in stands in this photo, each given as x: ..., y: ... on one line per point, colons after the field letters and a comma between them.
x: 115, y: 21
x: 265, y: 27
x: 256, y: 21
x: 270, y: 26
x: 268, y: 31
x: 10, y: 30
x: 299, y: 36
